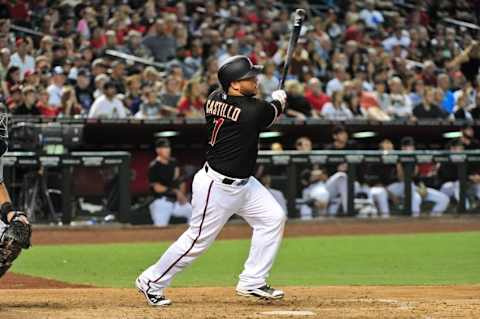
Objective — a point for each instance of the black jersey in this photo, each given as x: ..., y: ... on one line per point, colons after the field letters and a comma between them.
x: 163, y: 174
x: 233, y: 125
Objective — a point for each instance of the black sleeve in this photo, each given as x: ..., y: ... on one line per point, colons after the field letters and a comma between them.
x: 269, y: 112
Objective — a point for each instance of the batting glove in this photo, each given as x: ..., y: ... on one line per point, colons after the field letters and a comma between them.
x: 280, y: 96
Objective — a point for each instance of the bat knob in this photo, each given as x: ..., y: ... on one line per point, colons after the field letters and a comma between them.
x: 300, y: 15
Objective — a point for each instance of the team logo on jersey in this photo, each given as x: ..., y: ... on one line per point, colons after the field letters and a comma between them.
x: 222, y: 109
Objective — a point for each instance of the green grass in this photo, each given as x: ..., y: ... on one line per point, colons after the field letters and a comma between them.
x: 451, y: 258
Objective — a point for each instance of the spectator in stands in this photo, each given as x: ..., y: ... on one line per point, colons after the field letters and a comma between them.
x: 99, y: 67
x: 32, y: 78
x: 133, y: 98
x: 191, y: 102
x: 428, y: 109
x: 352, y: 102
x: 134, y: 45
x: 315, y: 96
x: 28, y: 107
x: 100, y: 81
x: 337, y: 109
x: 194, y: 62
x: 4, y: 62
x: 298, y: 106
x: 448, y: 102
x: 55, y: 89
x: 336, y: 84
x: 170, y: 96
x: 231, y: 49
x: 118, y: 76
x: 399, y: 37
x: 416, y: 96
x: 161, y: 43
x: 69, y: 104
x: 419, y: 193
x: 167, y: 189
x: 461, y: 108
x: 12, y: 79
x: 84, y: 90
x: 150, y: 107
x: 108, y: 105
x: 401, y: 106
x: 268, y: 82
x: 475, y: 111
x: 373, y: 18
x: 21, y: 59
x: 468, y: 61
x: 151, y: 76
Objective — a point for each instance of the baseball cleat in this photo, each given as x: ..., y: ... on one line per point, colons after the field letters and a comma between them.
x: 153, y: 300
x: 264, y: 292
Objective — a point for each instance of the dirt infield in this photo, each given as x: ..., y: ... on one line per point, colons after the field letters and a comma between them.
x: 36, y: 298
x: 329, y: 227
x: 319, y: 302
x: 17, y: 281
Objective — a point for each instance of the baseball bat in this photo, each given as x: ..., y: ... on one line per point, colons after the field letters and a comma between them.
x: 297, y: 26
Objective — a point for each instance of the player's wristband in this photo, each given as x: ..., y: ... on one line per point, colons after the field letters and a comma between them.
x: 6, y: 208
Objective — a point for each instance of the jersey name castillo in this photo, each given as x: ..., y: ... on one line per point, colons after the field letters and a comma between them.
x: 233, y: 126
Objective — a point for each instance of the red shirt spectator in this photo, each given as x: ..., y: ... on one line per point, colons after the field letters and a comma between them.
x: 316, y: 101
x: 185, y: 105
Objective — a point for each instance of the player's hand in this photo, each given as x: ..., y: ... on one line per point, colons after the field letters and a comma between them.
x: 280, y: 96
x: 181, y: 197
x: 22, y: 218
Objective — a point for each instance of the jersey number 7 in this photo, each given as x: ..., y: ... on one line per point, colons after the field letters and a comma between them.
x: 218, y: 123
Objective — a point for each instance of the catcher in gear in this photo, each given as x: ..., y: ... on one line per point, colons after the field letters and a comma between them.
x: 15, y: 230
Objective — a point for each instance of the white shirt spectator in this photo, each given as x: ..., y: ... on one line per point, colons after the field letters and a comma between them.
x: 372, y: 18
x: 267, y: 86
x: 26, y: 64
x: 331, y: 112
x: 54, y: 95
x: 334, y: 85
x: 403, y: 40
x: 105, y: 108
x: 401, y: 105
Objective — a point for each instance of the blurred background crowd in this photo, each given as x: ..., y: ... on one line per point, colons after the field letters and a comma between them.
x: 370, y: 59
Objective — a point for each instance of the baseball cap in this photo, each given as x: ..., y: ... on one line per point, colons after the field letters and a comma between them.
x: 162, y: 142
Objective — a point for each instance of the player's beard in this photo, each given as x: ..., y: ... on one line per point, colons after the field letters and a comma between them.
x: 248, y: 91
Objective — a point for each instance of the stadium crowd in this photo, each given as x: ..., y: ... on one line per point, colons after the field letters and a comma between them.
x: 371, y: 59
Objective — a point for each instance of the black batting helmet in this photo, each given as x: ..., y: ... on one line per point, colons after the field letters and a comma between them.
x: 236, y: 68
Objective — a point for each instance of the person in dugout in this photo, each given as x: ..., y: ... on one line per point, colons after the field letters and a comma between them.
x: 168, y: 190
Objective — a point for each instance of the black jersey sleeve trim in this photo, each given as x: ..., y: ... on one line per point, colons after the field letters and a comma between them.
x: 277, y: 107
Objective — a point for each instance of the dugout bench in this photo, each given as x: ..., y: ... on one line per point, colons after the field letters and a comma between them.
x: 66, y: 162
x: 290, y: 160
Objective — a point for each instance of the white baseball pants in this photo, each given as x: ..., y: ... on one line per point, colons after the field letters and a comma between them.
x: 162, y: 210
x: 213, y: 204
x: 439, y: 199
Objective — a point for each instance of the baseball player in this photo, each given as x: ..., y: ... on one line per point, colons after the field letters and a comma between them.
x: 225, y: 186
x: 163, y: 175
x: 15, y: 231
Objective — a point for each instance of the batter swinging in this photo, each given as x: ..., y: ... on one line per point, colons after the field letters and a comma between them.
x: 224, y: 186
